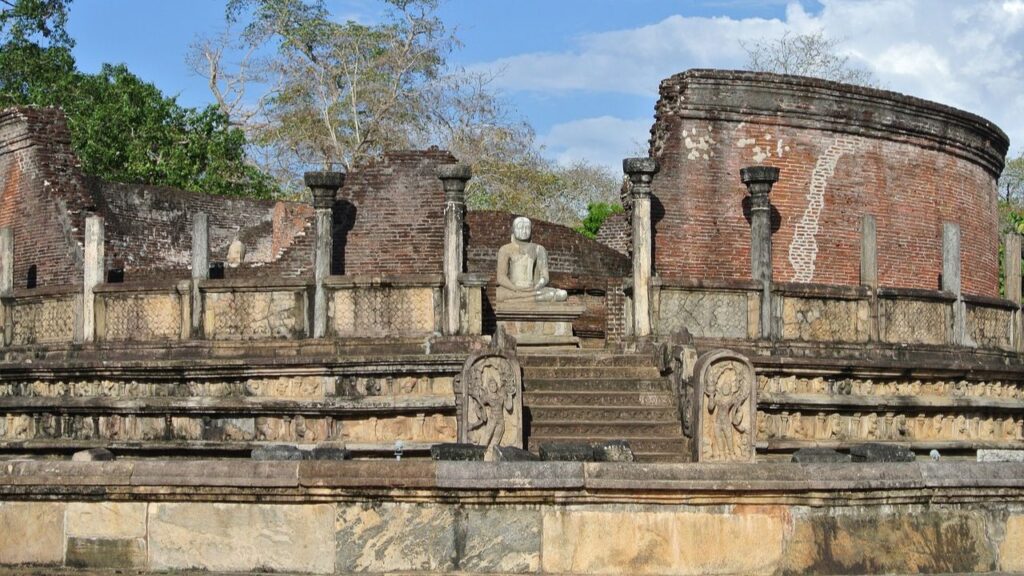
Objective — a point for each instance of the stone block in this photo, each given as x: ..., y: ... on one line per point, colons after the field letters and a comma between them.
x: 567, y: 452
x: 368, y: 473
x: 215, y: 473
x: 513, y: 454
x: 1011, y: 550
x: 106, y: 520
x: 492, y: 475
x: 1000, y: 455
x: 910, y: 541
x: 278, y: 452
x: 881, y: 453
x: 92, y: 455
x: 613, y: 451
x: 106, y: 554
x: 820, y: 456
x: 640, y: 541
x: 503, y: 539
x: 329, y: 452
x: 242, y: 537
x: 394, y: 537
x: 457, y: 452
x: 31, y: 533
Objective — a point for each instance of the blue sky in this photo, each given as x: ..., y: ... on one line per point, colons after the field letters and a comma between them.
x: 585, y: 72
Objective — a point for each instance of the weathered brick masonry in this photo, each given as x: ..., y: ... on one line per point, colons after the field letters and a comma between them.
x: 843, y: 152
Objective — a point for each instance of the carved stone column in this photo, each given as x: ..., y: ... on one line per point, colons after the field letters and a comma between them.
x: 454, y: 178
x: 641, y: 172
x: 1011, y: 267
x: 951, y: 274
x: 92, y: 274
x: 325, y: 187
x: 759, y: 181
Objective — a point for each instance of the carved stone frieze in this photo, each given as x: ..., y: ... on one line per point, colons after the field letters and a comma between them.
x: 141, y: 317
x: 823, y: 320
x: 48, y: 320
x: 725, y: 407
x: 773, y: 385
x: 864, y: 426
x: 382, y: 311
x: 253, y: 315
x: 704, y: 314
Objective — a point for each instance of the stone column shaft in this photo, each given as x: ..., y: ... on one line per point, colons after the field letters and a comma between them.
x: 1011, y: 275
x: 951, y: 279
x: 454, y: 178
x: 92, y: 274
x: 759, y: 181
x: 200, y: 268
x: 641, y: 173
x: 325, y: 187
x: 6, y: 261
x: 868, y: 252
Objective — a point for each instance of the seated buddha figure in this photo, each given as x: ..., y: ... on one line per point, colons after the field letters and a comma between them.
x: 523, y: 269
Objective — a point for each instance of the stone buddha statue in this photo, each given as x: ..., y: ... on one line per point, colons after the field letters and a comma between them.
x: 523, y: 269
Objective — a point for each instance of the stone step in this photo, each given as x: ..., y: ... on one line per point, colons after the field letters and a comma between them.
x: 641, y: 385
x: 599, y: 398
x: 585, y: 359
x: 614, y: 414
x: 609, y: 429
x: 639, y: 444
x: 590, y: 372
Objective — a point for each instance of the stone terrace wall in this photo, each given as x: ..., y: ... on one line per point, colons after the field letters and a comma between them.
x: 44, y: 196
x: 843, y: 152
x: 389, y: 218
x: 516, y: 517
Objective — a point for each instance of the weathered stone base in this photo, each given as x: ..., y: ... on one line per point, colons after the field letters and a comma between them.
x: 524, y: 517
x: 540, y: 325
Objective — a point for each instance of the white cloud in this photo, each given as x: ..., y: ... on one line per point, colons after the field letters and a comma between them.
x: 965, y: 54
x: 604, y: 140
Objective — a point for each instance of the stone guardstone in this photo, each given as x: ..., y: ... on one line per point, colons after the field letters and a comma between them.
x: 92, y: 455
x: 457, y: 452
x: 539, y: 324
x: 881, y: 453
x: 567, y: 452
x: 820, y: 456
x: 613, y: 451
x: 1000, y: 455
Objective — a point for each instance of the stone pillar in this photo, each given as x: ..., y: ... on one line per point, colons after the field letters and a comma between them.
x: 868, y: 252
x: 325, y: 187
x: 759, y: 181
x: 92, y: 274
x: 6, y: 261
x: 1011, y: 275
x: 454, y: 178
x: 641, y: 172
x: 200, y: 268
x: 951, y: 279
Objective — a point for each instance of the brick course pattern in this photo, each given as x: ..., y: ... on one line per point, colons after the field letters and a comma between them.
x: 843, y: 152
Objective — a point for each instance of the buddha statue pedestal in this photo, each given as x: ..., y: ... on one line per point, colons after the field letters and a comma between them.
x: 539, y: 324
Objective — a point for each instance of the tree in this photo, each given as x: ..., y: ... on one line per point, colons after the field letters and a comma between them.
x: 122, y: 128
x: 1011, y: 182
x: 812, y: 54
x: 597, y: 213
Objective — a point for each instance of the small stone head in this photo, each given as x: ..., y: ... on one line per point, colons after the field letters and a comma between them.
x: 522, y: 229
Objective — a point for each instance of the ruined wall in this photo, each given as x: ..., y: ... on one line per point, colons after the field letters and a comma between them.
x: 843, y: 152
x: 43, y: 196
x: 616, y: 233
x: 389, y: 218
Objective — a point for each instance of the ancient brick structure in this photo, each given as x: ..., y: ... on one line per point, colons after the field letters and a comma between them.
x: 844, y: 152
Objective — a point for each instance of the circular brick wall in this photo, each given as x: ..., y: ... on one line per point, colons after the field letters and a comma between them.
x: 843, y: 152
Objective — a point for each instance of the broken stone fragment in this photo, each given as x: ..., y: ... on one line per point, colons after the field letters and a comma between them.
x: 613, y: 451
x: 567, y: 452
x: 881, y: 453
x: 458, y: 452
x: 277, y: 452
x: 92, y: 455
x: 819, y: 456
x: 513, y: 454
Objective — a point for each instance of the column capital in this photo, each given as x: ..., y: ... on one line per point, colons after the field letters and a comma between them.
x: 325, y: 187
x: 454, y: 177
x: 759, y: 179
x: 641, y: 173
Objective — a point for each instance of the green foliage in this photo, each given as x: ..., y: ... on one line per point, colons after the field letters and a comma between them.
x: 123, y: 129
x: 597, y: 213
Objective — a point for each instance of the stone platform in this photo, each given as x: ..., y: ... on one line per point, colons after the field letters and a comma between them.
x: 540, y: 324
x: 423, y: 517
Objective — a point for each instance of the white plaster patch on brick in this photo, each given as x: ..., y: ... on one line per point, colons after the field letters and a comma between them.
x: 698, y: 146
x: 744, y: 142
x: 760, y: 154
x: 803, y: 249
x: 779, y: 148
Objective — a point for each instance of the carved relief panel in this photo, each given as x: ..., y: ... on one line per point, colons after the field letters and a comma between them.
x: 724, y: 408
x: 491, y: 401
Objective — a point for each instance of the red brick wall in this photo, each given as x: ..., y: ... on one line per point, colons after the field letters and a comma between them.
x: 843, y: 152
x: 44, y: 197
x: 390, y: 217
x: 616, y: 233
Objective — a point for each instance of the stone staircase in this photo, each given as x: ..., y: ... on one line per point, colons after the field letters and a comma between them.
x: 593, y: 396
